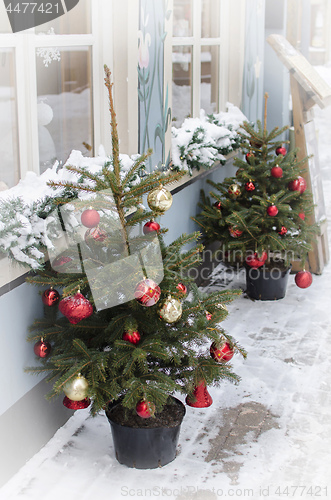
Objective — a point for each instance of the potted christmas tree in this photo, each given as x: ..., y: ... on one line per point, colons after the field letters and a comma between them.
x: 261, y: 216
x: 134, y: 328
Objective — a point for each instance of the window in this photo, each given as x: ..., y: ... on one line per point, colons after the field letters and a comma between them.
x: 201, y: 58
x: 51, y: 89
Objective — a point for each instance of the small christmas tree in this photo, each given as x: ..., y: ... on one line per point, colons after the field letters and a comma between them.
x: 261, y: 216
x: 142, y: 349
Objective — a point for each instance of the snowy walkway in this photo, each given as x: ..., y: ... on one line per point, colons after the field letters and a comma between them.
x: 268, y: 437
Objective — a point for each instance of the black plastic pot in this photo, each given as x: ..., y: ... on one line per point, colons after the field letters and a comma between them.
x: 144, y: 448
x: 262, y: 284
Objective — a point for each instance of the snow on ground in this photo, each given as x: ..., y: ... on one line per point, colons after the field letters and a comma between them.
x: 283, y: 449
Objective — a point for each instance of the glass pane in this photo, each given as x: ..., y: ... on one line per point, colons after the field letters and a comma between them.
x: 64, y: 105
x: 182, y: 20
x: 209, y: 78
x: 4, y: 21
x: 210, y: 18
x: 76, y: 21
x: 9, y: 165
x: 181, y: 84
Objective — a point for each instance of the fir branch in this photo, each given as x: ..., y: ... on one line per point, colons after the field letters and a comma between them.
x: 85, y: 173
x: 114, y: 135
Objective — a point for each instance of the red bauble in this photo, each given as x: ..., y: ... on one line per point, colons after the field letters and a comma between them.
x: 50, y: 297
x: 42, y: 349
x: 303, y: 279
x: 249, y: 157
x: 145, y: 409
x: 302, y: 215
x: 298, y: 184
x: 61, y: 260
x: 218, y: 205
x: 283, y: 231
x: 272, y: 210
x: 281, y: 151
x: 95, y: 234
x: 255, y: 261
x: 147, y: 292
x: 151, y: 226
x: 223, y: 353
x: 277, y: 172
x: 182, y: 288
x: 76, y: 308
x: 208, y: 316
x: 235, y: 233
x: 201, y: 399
x: 132, y: 337
x: 249, y: 186
x: 76, y: 405
x: 90, y: 217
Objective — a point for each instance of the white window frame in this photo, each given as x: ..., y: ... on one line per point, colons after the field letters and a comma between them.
x: 231, y: 52
x: 25, y: 44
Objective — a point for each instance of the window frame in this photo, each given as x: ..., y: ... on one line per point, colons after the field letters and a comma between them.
x: 230, y: 43
x: 25, y: 45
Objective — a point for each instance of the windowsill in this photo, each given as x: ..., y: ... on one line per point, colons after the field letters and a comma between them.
x: 13, y: 275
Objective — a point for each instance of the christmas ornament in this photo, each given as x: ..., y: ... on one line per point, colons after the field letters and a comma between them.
x: 282, y: 231
x: 255, y: 143
x: 50, y: 297
x: 90, y: 217
x: 302, y: 215
x: 298, y: 184
x: 42, y: 349
x: 281, y: 151
x: 151, y: 226
x: 249, y: 186
x: 277, y: 172
x: 234, y: 190
x: 132, y: 337
x: 235, y: 233
x: 182, y: 288
x: 272, y: 210
x: 201, y: 397
x: 61, y: 260
x: 95, y: 235
x: 145, y: 409
x: 76, y: 405
x: 249, y: 156
x: 159, y: 199
x: 76, y: 308
x: 255, y: 261
x: 147, y: 292
x: 218, y: 205
x: 303, y: 279
x: 44, y: 113
x: 223, y: 353
x: 171, y: 310
x: 208, y: 316
x: 76, y: 389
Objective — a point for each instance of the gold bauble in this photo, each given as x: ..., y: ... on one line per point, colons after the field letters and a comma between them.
x: 159, y: 199
x: 76, y: 389
x: 171, y: 310
x: 234, y: 190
